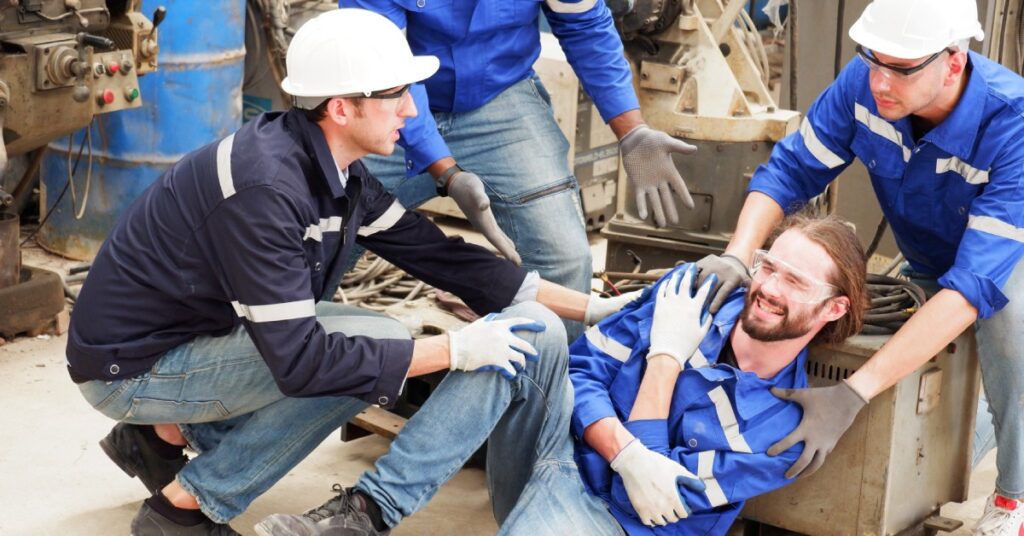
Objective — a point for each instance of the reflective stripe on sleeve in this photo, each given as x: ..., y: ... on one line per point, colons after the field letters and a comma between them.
x: 823, y: 154
x: 275, y: 312
x: 970, y: 173
x: 227, y: 182
x: 327, y: 225
x: 727, y: 418
x: 571, y: 7
x: 706, y: 472
x: 881, y: 127
x: 385, y: 221
x: 697, y: 360
x: 993, y: 226
x: 607, y: 345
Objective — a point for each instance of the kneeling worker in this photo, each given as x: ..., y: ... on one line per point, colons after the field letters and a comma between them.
x: 199, y: 324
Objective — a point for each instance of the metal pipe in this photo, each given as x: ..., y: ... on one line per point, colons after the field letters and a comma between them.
x: 10, y: 259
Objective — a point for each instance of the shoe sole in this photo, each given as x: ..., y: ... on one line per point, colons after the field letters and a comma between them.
x: 115, y: 456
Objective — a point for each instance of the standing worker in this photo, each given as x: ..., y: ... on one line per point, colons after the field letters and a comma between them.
x: 941, y: 132
x: 199, y: 322
x: 492, y: 143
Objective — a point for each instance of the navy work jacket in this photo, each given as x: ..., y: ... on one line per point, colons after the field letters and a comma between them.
x: 249, y: 230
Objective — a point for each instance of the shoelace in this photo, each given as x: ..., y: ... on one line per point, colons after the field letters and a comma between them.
x: 330, y: 508
x: 996, y: 518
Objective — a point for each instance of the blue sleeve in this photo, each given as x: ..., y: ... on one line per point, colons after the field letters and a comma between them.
x: 595, y: 359
x: 420, y: 138
x: 729, y: 477
x: 263, y: 270
x: 486, y: 282
x: 993, y: 243
x: 803, y: 163
x: 594, y: 49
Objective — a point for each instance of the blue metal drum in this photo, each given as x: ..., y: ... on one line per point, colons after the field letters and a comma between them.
x: 194, y: 98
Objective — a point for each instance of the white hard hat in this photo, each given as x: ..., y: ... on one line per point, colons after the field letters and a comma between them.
x: 910, y: 29
x: 347, y: 51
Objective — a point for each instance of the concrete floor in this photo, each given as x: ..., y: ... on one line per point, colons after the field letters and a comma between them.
x: 55, y: 480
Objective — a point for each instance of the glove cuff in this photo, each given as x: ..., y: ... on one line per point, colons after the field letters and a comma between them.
x: 630, y: 451
x: 855, y: 392
x: 737, y: 261
x: 445, y: 178
x: 654, y: 350
x: 453, y: 351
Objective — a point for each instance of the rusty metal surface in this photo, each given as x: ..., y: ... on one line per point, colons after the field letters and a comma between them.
x: 10, y: 259
x: 32, y: 303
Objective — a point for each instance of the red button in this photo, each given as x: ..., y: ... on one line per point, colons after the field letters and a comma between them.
x: 106, y: 97
x: 113, y: 67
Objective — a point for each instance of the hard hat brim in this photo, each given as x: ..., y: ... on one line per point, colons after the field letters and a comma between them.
x: 418, y: 69
x: 875, y: 43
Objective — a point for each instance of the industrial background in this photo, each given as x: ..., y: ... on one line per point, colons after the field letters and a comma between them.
x: 99, y: 97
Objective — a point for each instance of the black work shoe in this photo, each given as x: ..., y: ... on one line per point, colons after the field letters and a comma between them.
x: 344, y: 515
x: 133, y: 452
x: 149, y: 522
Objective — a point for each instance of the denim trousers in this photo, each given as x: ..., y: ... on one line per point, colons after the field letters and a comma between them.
x: 514, y: 144
x: 1001, y: 407
x: 223, y: 397
x: 531, y: 475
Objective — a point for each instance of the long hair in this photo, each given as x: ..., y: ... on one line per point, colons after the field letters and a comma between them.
x: 849, y: 274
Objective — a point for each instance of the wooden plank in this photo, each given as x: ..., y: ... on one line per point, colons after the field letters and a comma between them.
x: 379, y: 421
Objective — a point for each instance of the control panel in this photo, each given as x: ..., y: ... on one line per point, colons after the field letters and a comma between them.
x: 115, y: 82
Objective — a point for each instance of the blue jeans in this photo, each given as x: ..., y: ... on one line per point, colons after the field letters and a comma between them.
x: 1001, y: 353
x: 514, y: 144
x: 530, y: 452
x: 248, y: 434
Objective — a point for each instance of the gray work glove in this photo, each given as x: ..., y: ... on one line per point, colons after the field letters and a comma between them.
x: 647, y: 157
x: 467, y: 190
x: 828, y: 412
x: 731, y: 273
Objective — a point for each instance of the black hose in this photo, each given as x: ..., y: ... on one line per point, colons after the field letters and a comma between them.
x: 893, y: 302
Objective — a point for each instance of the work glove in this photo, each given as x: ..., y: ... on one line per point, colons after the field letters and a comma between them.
x: 828, y: 412
x: 490, y: 344
x: 467, y: 190
x: 679, y: 325
x: 647, y: 157
x: 652, y: 484
x: 599, y: 308
x: 731, y: 273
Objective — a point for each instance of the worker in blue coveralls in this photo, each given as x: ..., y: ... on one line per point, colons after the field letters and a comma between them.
x: 672, y: 416
x: 199, y: 322
x: 492, y: 143
x: 941, y: 132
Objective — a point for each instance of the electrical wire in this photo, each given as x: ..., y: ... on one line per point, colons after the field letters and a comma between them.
x: 78, y: 158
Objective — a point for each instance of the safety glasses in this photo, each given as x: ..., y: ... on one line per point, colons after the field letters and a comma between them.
x: 891, y: 71
x: 796, y: 285
x: 385, y: 94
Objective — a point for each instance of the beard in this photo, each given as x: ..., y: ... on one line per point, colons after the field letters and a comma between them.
x: 790, y: 327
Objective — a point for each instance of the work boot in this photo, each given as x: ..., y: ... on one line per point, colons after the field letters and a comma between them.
x: 1002, y: 517
x: 149, y: 522
x: 344, y: 515
x: 128, y: 446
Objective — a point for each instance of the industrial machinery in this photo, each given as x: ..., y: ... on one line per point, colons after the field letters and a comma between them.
x: 701, y: 73
x: 62, y: 62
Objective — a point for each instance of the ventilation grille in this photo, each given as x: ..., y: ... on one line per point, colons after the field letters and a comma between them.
x: 827, y: 372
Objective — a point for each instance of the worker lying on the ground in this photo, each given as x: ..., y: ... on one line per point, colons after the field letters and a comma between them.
x: 941, y: 132
x: 201, y: 306
x: 672, y: 414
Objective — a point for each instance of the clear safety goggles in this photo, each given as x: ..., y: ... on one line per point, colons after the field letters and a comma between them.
x: 796, y: 285
x: 893, y: 71
x: 384, y: 94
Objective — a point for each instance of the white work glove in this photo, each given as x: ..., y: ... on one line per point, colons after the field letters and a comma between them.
x: 652, y: 484
x: 489, y: 344
x: 679, y: 325
x: 647, y: 157
x: 599, y: 308
x: 467, y: 190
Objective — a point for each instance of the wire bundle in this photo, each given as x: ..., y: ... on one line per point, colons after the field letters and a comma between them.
x: 893, y: 301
